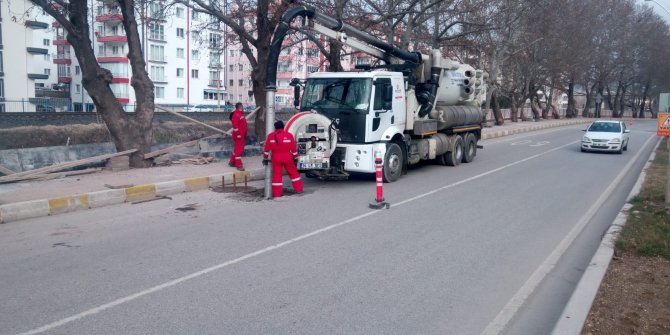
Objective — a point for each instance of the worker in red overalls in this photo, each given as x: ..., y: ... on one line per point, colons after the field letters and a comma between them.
x: 284, y: 153
x: 239, y: 136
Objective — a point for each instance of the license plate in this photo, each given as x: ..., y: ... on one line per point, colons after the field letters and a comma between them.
x: 304, y: 166
x: 600, y: 145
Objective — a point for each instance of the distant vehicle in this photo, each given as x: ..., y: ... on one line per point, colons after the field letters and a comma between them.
x: 44, y: 108
x: 604, y: 135
x: 198, y: 108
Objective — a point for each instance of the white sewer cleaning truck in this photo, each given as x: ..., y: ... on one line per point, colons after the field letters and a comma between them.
x: 415, y: 107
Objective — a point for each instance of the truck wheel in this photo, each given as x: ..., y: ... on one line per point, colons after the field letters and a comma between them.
x: 470, y: 148
x: 393, y: 163
x: 455, y: 156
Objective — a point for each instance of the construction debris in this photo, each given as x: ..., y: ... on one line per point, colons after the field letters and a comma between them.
x: 194, y: 142
x: 6, y: 171
x: 194, y: 160
x: 47, y: 172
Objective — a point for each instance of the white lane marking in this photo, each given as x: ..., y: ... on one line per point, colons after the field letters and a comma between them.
x: 513, y: 305
x: 513, y: 137
x: 194, y: 275
x: 481, y: 175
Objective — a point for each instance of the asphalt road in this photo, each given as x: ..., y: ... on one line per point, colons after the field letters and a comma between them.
x: 494, y: 246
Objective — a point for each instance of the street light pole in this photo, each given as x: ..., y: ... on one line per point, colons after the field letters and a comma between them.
x: 656, y: 2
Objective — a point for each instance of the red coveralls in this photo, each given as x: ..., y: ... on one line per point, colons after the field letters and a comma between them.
x: 282, y: 145
x: 239, y: 138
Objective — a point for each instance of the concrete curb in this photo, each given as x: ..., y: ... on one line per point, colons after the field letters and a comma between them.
x: 538, y: 126
x: 578, y: 307
x: 52, y: 206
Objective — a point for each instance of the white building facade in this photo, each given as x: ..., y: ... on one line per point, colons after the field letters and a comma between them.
x: 26, y: 67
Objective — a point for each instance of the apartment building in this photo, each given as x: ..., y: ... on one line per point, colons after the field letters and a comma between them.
x: 182, y: 50
x: 25, y: 56
x: 186, y: 53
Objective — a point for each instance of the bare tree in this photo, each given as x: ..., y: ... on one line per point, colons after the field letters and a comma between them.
x: 128, y: 131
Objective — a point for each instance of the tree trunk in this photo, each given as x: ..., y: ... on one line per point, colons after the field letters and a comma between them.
x: 622, y: 101
x: 571, y: 110
x: 643, y: 103
x: 127, y: 132
x: 514, y: 109
x: 534, y: 107
x: 497, y: 113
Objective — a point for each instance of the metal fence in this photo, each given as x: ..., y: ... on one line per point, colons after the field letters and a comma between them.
x: 43, y: 105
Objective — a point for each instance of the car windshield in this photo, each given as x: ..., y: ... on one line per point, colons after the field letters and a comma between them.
x: 338, y: 93
x: 605, y: 127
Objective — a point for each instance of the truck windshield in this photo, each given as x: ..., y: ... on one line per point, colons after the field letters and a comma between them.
x: 350, y: 94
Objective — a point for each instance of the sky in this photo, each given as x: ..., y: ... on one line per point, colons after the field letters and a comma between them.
x: 659, y: 9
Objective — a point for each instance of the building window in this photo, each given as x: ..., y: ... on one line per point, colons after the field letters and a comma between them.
x: 47, y: 72
x: 250, y: 83
x: 180, y: 53
x: 241, y: 82
x: 312, y: 68
x: 240, y: 67
x: 231, y: 67
x: 180, y: 72
x: 77, y: 88
x: 194, y: 15
x: 231, y: 82
x: 46, y: 42
x: 312, y: 53
x: 214, y: 41
x: 231, y: 53
x: 155, y: 10
x: 180, y: 32
x: 47, y: 57
x: 2, y: 88
x: 284, y: 67
x: 180, y: 12
x: 195, y: 54
x: 180, y: 92
x: 77, y: 69
x: 194, y: 74
x: 157, y: 73
x: 156, y: 53
x: 160, y: 92
x: 156, y: 32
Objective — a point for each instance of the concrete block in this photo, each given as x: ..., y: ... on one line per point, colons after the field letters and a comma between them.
x: 170, y: 187
x: 24, y: 210
x: 106, y: 198
x: 68, y: 204
x: 140, y: 192
x: 198, y: 183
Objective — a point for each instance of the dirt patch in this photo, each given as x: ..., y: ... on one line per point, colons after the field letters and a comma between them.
x: 249, y: 193
x: 47, y: 136
x: 634, y: 298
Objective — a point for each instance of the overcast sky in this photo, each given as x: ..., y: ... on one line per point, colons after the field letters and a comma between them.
x: 659, y: 9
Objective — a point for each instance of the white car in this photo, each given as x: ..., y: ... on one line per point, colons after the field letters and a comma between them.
x: 606, y: 135
x: 198, y: 108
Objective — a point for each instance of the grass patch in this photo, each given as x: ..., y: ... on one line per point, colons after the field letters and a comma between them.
x: 647, y: 229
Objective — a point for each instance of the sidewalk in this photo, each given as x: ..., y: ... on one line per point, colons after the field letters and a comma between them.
x: 25, y: 200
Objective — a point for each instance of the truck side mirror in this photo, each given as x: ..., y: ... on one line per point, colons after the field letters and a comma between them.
x: 296, y: 96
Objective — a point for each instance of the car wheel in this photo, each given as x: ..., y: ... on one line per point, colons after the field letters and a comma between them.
x: 620, y: 151
x: 625, y: 148
x: 394, y: 161
x: 583, y: 150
